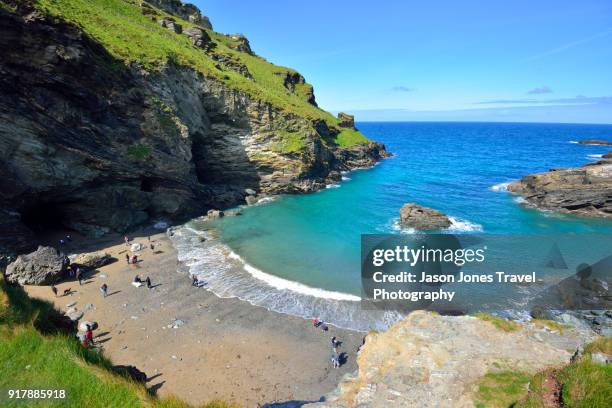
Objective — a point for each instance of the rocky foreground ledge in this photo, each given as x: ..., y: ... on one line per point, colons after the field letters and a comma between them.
x: 429, y: 360
x: 585, y: 190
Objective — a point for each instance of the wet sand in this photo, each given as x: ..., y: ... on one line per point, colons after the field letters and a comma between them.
x: 226, y: 349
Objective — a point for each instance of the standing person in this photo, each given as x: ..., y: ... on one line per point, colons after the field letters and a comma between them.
x: 104, y: 289
x: 335, y: 344
x: 127, y: 258
x: 54, y: 290
x: 127, y: 240
x: 89, y: 336
x: 152, y: 247
x: 80, y: 276
x: 148, y: 281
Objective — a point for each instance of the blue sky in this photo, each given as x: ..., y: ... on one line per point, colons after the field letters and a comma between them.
x: 543, y: 61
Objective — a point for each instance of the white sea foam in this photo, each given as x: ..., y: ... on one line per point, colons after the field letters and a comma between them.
x: 573, y: 142
x: 519, y: 200
x: 344, y: 178
x: 594, y: 156
x: 460, y: 225
x: 227, y: 275
x: 501, y: 186
x: 332, y: 186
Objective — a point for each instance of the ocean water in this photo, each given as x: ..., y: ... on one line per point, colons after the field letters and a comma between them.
x: 300, y: 254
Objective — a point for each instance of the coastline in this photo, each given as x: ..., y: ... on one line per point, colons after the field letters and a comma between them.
x: 224, y: 348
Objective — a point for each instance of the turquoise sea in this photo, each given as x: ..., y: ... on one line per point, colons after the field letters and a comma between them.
x: 310, y: 244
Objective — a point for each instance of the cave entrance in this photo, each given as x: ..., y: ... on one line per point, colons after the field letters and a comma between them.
x: 42, y: 216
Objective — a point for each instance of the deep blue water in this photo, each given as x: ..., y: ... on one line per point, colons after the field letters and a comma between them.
x: 314, y: 239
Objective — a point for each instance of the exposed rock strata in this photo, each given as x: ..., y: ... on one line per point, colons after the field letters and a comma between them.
x: 597, y: 142
x: 185, y: 11
x: 90, y: 144
x: 423, y: 218
x: 429, y: 360
x: 585, y: 190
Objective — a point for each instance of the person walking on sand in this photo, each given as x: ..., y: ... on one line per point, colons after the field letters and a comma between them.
x: 80, y: 276
x: 127, y: 258
x: 148, y: 281
x: 127, y: 240
x: 335, y: 344
x: 54, y: 290
x: 104, y: 289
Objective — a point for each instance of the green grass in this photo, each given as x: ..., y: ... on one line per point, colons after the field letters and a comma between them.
x: 140, y: 151
x: 502, y: 389
x: 500, y: 323
x: 36, y: 353
x: 289, y: 142
x: 131, y: 37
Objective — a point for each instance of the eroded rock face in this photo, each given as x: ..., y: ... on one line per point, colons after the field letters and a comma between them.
x: 429, y: 360
x: 585, y: 190
x: 41, y: 267
x: 423, y: 218
x: 186, y: 11
x: 346, y: 120
x: 89, y: 144
x: 597, y: 142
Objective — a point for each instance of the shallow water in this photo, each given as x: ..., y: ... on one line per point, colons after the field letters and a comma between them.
x: 313, y: 241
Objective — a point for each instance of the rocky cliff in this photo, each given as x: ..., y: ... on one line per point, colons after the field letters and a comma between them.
x: 585, y: 190
x: 117, y: 113
x: 429, y: 360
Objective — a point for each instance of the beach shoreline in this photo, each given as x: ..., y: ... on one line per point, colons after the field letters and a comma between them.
x: 193, y: 344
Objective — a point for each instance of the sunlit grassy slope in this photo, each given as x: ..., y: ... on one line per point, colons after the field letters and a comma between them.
x: 132, y: 37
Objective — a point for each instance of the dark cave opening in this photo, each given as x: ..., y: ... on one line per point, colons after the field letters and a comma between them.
x: 146, y: 184
x: 42, y: 216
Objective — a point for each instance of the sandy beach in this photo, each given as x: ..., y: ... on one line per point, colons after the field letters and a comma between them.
x: 221, y: 349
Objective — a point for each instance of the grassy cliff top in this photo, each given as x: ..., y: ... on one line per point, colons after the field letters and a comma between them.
x: 132, y: 37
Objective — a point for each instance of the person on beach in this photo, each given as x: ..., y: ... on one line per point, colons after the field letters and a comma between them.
x: 80, y: 276
x: 82, y: 339
x: 104, y: 289
x: 127, y: 258
x: 89, y: 336
x: 335, y: 359
x: 335, y: 344
x: 194, y: 280
x: 148, y: 281
x: 62, y: 242
x: 152, y: 247
x: 69, y: 270
x: 127, y: 240
x: 137, y: 279
x: 54, y: 290
x: 134, y: 259
x: 316, y: 322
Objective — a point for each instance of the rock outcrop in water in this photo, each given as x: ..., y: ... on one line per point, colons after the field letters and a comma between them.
x: 596, y: 142
x: 429, y: 360
x: 422, y: 218
x: 96, y: 144
x: 585, y: 190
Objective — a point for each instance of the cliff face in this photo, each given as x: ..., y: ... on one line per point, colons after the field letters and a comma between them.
x: 429, y: 360
x: 94, y: 143
x: 585, y: 190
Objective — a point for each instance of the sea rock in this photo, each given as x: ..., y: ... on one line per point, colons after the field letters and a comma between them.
x: 75, y: 315
x: 423, y: 218
x: 251, y: 199
x: 137, y: 246
x: 428, y: 360
x: 346, y: 120
x: 598, y: 142
x: 91, y: 259
x: 250, y: 191
x: 215, y: 214
x: 585, y: 190
x: 41, y: 267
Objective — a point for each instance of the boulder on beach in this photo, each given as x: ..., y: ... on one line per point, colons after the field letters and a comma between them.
x: 41, y: 267
x: 422, y: 218
x: 91, y: 259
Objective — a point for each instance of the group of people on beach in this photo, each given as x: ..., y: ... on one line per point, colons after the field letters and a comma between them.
x: 336, y: 356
